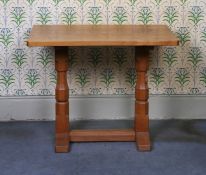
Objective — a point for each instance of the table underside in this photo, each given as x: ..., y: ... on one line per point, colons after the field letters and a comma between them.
x: 140, y: 132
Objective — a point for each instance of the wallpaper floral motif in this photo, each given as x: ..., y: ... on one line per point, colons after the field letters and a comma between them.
x: 102, y: 70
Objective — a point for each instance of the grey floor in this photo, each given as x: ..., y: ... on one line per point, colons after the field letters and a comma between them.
x: 179, y: 148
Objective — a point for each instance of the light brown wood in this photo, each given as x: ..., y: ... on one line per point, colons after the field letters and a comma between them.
x: 141, y: 99
x: 101, y: 35
x: 102, y: 135
x: 143, y: 141
x: 142, y: 36
x: 62, y: 104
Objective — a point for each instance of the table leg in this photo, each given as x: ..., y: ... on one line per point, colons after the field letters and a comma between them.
x: 141, y: 99
x: 62, y: 104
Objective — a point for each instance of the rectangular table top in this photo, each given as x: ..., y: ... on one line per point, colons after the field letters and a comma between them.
x: 102, y: 35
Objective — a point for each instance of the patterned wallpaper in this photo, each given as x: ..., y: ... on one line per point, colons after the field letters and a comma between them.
x: 102, y: 70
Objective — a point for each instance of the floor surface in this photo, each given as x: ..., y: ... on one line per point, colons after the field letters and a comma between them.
x: 179, y: 148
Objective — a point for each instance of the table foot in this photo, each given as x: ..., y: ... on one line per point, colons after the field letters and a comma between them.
x: 143, y: 141
x: 62, y: 149
x: 61, y: 144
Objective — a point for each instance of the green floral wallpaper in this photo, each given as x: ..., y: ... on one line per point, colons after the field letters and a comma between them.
x: 102, y: 70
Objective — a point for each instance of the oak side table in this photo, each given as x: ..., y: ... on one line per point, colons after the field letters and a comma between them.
x: 142, y: 37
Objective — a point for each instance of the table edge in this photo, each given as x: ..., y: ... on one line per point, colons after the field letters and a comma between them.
x: 100, y: 44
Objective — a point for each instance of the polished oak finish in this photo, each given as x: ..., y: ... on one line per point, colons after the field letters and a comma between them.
x: 142, y: 37
x: 102, y: 135
x: 101, y: 35
x: 141, y: 99
x: 62, y: 104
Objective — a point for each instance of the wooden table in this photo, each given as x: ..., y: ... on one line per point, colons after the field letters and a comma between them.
x: 142, y: 37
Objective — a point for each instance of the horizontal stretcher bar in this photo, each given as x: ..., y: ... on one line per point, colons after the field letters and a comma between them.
x: 102, y: 135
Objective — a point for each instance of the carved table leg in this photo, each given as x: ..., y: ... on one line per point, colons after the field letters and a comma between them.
x: 62, y: 104
x: 141, y: 99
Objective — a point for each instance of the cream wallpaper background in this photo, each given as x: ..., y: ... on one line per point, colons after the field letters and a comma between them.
x: 102, y: 70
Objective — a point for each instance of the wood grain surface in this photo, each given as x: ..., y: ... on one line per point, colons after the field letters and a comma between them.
x: 140, y: 36
x: 101, y: 35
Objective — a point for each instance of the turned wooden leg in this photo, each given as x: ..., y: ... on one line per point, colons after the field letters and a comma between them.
x: 141, y: 99
x: 62, y: 104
